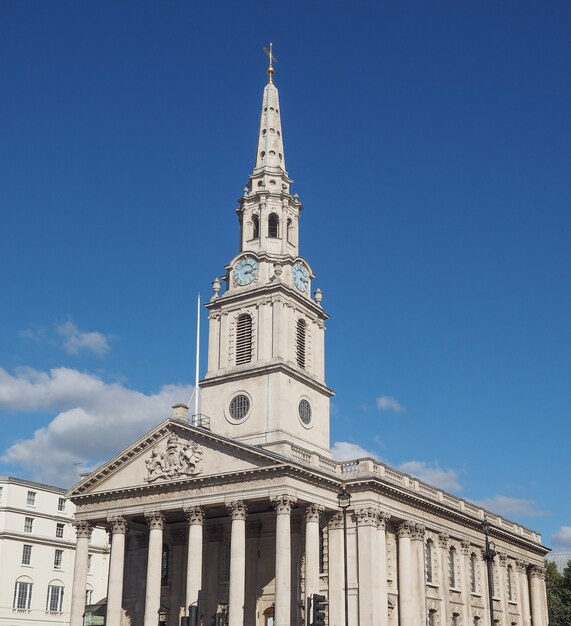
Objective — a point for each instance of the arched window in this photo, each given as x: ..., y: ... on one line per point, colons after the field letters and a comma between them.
x: 273, y: 226
x: 510, y: 583
x: 452, y: 566
x: 301, y: 332
x: 23, y: 593
x: 473, y: 573
x: 455, y: 619
x: 431, y: 617
x: 54, y: 601
x: 255, y: 227
x: 429, y: 557
x: 244, y: 339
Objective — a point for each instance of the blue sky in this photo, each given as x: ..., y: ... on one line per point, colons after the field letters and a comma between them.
x: 429, y: 142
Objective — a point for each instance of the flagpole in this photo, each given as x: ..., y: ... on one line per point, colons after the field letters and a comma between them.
x: 195, y: 418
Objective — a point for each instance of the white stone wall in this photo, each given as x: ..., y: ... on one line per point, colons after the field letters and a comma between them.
x: 41, y: 570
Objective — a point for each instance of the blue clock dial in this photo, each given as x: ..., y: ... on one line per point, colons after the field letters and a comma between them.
x: 300, y: 276
x: 246, y: 271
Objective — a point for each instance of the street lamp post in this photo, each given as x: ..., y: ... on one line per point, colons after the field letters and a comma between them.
x: 344, y: 499
x: 489, y: 554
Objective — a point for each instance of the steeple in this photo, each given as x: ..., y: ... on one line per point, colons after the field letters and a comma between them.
x: 265, y: 382
x: 270, y: 143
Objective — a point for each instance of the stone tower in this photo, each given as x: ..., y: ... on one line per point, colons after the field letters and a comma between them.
x: 265, y: 382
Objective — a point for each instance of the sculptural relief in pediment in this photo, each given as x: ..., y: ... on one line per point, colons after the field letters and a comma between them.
x: 175, y: 458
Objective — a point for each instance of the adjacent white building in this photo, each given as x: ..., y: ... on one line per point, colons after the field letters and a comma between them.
x: 37, y: 554
x: 235, y: 509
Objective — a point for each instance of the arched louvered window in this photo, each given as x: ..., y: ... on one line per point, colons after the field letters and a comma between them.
x: 452, y: 567
x: 429, y: 557
x: 301, y: 336
x: 273, y: 226
x: 244, y: 339
x: 289, y: 230
x: 255, y: 227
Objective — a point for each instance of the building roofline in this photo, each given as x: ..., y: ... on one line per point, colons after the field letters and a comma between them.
x: 24, y: 482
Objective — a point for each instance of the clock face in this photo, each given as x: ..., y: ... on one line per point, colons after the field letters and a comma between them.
x: 300, y: 276
x: 245, y: 271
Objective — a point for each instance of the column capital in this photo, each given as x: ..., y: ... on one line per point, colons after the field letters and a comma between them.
x: 194, y: 515
x: 83, y: 529
x: 382, y: 519
x: 537, y: 571
x: 465, y: 547
x: 443, y: 540
x: 405, y: 529
x: 502, y: 558
x: 282, y: 504
x: 366, y: 517
x: 521, y: 567
x: 418, y: 532
x: 336, y: 521
x: 155, y: 519
x: 237, y: 509
x: 312, y: 512
x: 117, y: 525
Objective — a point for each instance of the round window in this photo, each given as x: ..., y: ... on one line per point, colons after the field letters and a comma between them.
x: 304, y: 411
x: 239, y: 407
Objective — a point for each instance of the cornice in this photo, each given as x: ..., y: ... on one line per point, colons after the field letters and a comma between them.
x: 264, y: 370
x: 232, y: 297
x: 48, y: 541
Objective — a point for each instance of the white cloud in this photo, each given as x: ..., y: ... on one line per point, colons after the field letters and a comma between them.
x: 94, y: 420
x: 510, y: 507
x: 76, y: 340
x: 432, y: 474
x: 562, y: 538
x: 347, y: 451
x: 389, y: 403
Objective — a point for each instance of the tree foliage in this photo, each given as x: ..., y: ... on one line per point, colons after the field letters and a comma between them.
x: 558, y: 594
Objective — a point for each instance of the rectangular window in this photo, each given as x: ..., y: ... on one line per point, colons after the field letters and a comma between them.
x: 59, y: 531
x: 88, y: 594
x: 22, y: 595
x: 31, y: 500
x: 26, y: 554
x: 54, y: 602
x: 58, y: 558
x: 61, y: 504
x: 28, y: 524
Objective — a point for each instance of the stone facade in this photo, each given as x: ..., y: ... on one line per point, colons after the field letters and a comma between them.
x: 37, y: 555
x: 238, y: 514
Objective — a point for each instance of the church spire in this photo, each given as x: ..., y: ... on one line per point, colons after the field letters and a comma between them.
x: 270, y: 153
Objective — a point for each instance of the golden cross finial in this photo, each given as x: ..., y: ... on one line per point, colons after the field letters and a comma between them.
x: 272, y: 59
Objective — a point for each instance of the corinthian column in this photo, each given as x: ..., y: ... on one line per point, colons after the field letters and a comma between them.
x: 444, y: 581
x: 382, y: 619
x: 366, y: 523
x: 237, y: 510
x: 83, y: 530
x: 523, y: 590
x: 418, y: 572
x: 312, y: 549
x: 195, y: 517
x: 282, y: 505
x: 118, y: 529
x: 464, y: 580
x: 336, y: 585
x: 405, y: 580
x: 155, y: 520
x: 537, y: 579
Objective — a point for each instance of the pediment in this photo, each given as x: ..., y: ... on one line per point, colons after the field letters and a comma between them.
x: 173, y: 452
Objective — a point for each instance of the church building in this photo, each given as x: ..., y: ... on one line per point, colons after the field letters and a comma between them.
x: 238, y: 514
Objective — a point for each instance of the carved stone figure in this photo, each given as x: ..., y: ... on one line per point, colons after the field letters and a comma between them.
x: 179, y: 459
